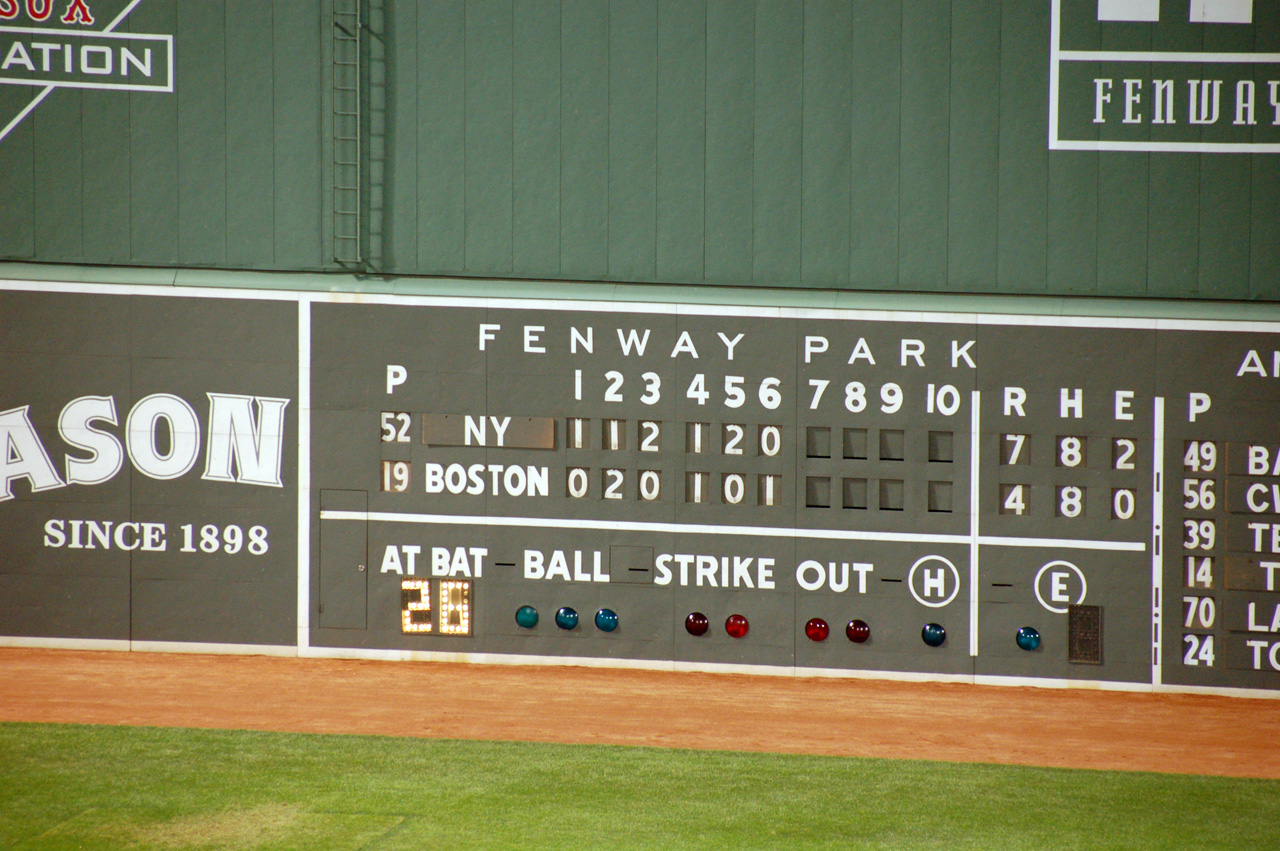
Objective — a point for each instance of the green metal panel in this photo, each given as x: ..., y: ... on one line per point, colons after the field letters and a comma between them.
x: 1225, y: 186
x: 1264, y: 207
x: 1073, y: 184
x: 846, y: 144
x: 584, y: 138
x: 105, y: 205
x: 875, y: 119
x: 1124, y: 190
x: 730, y: 170
x: 827, y: 140
x: 400, y: 227
x: 59, y: 216
x: 777, y: 142
x: 1224, y: 227
x: 488, y: 136
x: 1175, y: 188
x: 681, y: 133
x: 153, y: 145
x: 17, y: 184
x: 633, y: 95
x: 926, y: 89
x: 202, y: 136
x: 1024, y: 159
x: 974, y: 147
x: 535, y: 152
x: 1264, y: 265
x: 441, y: 131
x: 250, y: 111
x: 1123, y: 202
x: 296, y: 130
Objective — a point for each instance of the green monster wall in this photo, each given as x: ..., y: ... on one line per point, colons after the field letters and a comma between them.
x: 879, y: 145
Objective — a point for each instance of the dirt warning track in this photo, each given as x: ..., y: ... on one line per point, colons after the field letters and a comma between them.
x: 1081, y: 728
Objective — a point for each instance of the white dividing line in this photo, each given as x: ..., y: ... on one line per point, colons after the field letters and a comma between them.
x: 1055, y: 49
x: 282, y: 650
x: 304, y: 474
x: 975, y: 444
x: 1066, y: 543
x: 191, y: 288
x: 162, y: 290
x: 702, y: 529
x: 1157, y: 531
x: 25, y: 111
x: 1145, y: 56
x: 1169, y: 147
x: 124, y: 13
x: 639, y: 526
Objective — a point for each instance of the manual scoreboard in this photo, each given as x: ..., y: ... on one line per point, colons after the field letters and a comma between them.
x: 922, y: 494
x: 1002, y: 498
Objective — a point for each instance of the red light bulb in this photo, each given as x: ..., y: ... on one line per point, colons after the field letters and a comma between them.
x: 817, y: 629
x: 736, y: 626
x: 696, y: 624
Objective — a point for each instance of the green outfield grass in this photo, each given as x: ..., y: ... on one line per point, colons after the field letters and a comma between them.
x: 88, y: 787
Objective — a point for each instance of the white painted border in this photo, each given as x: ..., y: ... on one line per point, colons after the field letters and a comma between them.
x: 64, y: 643
x: 153, y: 290
x: 975, y: 447
x: 1158, y: 56
x: 842, y: 314
x: 125, y: 645
x: 216, y: 649
x: 707, y: 529
x: 1157, y: 534
x: 304, y: 474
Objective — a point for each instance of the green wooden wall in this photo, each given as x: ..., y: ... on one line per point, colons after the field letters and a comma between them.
x: 847, y: 144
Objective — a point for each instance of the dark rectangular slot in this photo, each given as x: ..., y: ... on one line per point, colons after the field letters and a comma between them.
x: 1084, y: 635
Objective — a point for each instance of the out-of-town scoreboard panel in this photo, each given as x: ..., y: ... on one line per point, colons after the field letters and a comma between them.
x: 943, y: 495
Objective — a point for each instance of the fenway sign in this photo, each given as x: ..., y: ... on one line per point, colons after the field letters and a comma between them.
x: 1165, y: 75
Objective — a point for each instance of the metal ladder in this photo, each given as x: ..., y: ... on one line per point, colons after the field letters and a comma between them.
x: 347, y: 120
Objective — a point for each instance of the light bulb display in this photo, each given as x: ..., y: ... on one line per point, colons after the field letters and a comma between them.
x: 455, y: 607
x: 415, y: 606
x: 451, y: 614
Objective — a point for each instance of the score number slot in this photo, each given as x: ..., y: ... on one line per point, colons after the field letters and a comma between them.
x: 1070, y: 452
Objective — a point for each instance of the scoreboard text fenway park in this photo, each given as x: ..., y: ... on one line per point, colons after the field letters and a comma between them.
x: 951, y: 496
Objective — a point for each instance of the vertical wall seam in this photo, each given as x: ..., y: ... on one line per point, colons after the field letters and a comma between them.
x: 466, y: 6
x: 897, y: 266
x: 657, y: 70
x: 751, y: 231
x: 226, y: 146
x: 511, y: 151
x: 608, y: 136
x: 560, y: 143
x: 799, y: 271
x: 273, y: 131
x: 706, y: 43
